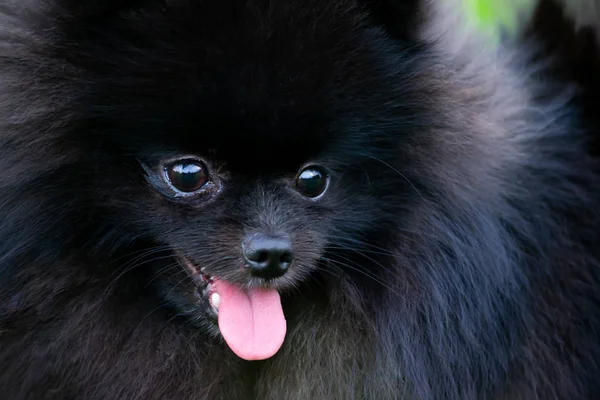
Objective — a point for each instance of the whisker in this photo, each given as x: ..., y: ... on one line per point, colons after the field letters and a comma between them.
x: 361, y: 243
x: 388, y: 269
x: 152, y: 249
x: 175, y: 286
x: 338, y: 247
x: 395, y: 170
x: 163, y: 305
x: 129, y: 269
x: 161, y: 271
x: 337, y: 263
x: 168, y: 321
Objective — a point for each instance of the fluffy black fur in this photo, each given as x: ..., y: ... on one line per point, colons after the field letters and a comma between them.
x: 455, y: 254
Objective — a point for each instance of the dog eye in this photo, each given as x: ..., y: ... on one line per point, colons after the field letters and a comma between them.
x: 312, y: 181
x: 187, y: 176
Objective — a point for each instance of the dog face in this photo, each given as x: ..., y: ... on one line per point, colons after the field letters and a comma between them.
x: 254, y: 145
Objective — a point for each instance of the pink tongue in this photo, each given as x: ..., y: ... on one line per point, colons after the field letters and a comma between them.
x: 251, y: 321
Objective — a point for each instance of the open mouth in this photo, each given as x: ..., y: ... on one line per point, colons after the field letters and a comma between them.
x: 206, y: 290
x: 251, y: 320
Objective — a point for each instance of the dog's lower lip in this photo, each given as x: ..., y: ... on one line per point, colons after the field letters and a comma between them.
x: 206, y: 277
x: 195, y: 271
x: 205, y: 290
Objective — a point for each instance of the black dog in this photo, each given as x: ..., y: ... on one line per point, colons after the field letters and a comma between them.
x: 280, y: 199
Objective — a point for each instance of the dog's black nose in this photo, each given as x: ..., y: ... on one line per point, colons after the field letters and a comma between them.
x: 268, y: 256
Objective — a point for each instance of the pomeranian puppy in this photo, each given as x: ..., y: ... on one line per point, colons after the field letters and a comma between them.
x: 294, y: 199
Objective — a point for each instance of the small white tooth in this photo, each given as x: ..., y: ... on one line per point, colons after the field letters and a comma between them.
x: 215, y: 300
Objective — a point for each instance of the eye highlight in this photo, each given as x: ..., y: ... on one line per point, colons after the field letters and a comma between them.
x: 187, y: 176
x: 312, y: 181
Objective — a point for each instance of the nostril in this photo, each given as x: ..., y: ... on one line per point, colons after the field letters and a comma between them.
x: 286, y: 257
x: 268, y: 256
x: 261, y: 256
